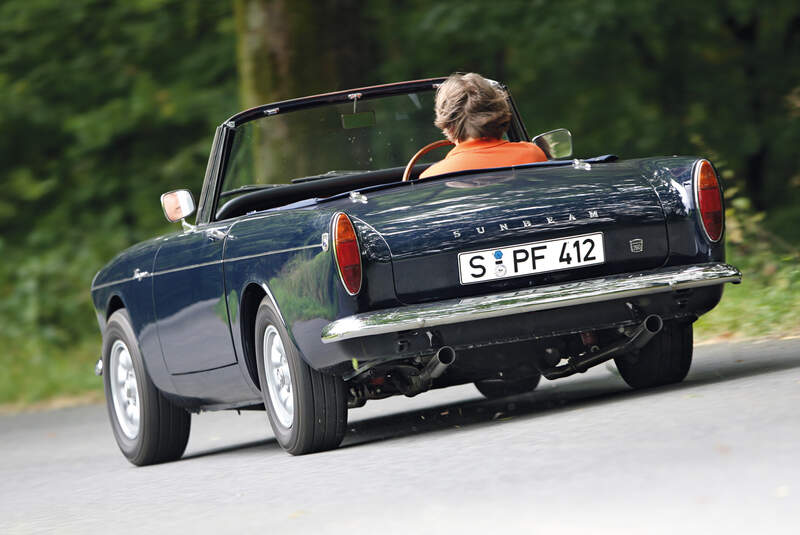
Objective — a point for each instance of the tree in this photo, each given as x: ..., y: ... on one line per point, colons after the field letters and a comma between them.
x: 103, y: 108
x: 720, y: 79
x: 294, y: 48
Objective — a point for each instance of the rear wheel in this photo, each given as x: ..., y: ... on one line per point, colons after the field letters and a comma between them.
x: 664, y: 360
x: 148, y: 427
x: 500, y: 388
x: 307, y: 409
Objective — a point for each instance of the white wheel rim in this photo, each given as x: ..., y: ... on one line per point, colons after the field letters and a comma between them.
x: 124, y: 389
x: 279, y: 377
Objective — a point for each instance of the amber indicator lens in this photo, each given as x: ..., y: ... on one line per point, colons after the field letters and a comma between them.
x: 709, y: 200
x: 347, y: 254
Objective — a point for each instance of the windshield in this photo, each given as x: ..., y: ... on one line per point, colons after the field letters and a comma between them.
x: 331, y: 140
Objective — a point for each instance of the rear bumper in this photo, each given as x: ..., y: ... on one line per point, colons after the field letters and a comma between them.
x: 555, y: 296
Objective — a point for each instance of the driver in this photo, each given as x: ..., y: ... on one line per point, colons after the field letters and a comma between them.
x: 474, y: 114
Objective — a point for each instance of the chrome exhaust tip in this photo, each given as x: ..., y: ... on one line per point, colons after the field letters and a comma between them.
x: 446, y: 355
x: 650, y: 327
x: 443, y: 358
x: 653, y: 323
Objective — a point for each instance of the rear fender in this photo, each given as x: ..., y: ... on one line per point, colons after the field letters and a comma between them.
x: 283, y: 254
x: 671, y: 178
x: 378, y: 289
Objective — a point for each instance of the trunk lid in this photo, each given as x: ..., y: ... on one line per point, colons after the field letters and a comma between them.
x: 428, y: 224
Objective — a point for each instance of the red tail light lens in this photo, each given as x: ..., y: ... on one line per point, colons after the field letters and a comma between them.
x: 708, y: 195
x: 345, y: 250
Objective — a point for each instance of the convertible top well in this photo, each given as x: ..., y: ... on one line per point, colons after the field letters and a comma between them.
x: 320, y: 188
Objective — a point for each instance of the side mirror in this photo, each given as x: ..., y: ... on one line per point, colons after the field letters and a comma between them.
x: 555, y: 144
x: 177, y: 205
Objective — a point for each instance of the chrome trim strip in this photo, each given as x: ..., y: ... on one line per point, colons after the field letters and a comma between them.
x: 145, y: 274
x: 184, y: 268
x: 289, y: 250
x: 529, y: 300
x: 112, y: 283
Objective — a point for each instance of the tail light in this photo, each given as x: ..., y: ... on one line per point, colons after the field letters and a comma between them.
x: 346, y: 252
x: 708, y: 197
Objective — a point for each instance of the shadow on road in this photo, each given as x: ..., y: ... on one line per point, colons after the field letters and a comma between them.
x: 557, y: 396
x: 269, y: 444
x: 573, y: 394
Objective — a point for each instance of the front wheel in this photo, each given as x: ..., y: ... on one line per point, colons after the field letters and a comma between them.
x: 148, y: 428
x: 664, y: 360
x: 307, y: 409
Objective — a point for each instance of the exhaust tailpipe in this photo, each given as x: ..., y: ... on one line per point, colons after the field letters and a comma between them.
x: 650, y: 327
x: 443, y: 358
x: 413, y: 384
x: 645, y: 332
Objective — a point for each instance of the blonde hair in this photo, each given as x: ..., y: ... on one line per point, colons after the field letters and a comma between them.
x: 468, y: 106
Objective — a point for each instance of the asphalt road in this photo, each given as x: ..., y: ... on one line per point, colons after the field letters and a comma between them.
x: 719, y: 453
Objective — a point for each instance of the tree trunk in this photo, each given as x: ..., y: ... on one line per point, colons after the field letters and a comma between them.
x: 754, y: 177
x: 294, y: 48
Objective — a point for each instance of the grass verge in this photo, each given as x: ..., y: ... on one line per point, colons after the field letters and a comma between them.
x: 36, y: 372
x: 765, y: 304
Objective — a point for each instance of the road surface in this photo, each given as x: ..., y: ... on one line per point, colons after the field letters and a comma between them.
x: 719, y: 453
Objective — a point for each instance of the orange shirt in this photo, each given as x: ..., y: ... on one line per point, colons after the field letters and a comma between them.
x: 484, y: 154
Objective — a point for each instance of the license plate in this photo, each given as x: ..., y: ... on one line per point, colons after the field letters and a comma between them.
x: 529, y: 258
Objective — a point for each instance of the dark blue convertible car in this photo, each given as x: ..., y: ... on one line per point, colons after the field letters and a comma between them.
x: 320, y: 273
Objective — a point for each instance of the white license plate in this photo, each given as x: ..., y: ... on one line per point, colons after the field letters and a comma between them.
x: 529, y: 258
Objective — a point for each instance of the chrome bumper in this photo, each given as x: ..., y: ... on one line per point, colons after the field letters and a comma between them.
x: 529, y: 300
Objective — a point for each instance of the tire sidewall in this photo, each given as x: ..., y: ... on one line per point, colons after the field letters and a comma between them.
x: 665, y: 360
x: 119, y: 328
x: 286, y: 437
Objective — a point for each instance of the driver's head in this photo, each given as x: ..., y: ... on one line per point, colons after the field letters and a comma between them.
x: 468, y: 106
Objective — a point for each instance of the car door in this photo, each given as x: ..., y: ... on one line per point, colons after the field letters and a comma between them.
x: 189, y: 299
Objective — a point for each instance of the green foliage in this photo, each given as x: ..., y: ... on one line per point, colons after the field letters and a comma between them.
x: 47, y: 371
x: 767, y: 300
x: 630, y: 78
x: 103, y: 107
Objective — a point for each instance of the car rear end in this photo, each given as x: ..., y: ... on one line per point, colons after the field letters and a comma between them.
x: 499, y: 265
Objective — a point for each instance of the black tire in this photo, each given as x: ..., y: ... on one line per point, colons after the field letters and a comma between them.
x: 163, y: 428
x: 666, y: 359
x: 319, y: 419
x: 500, y: 388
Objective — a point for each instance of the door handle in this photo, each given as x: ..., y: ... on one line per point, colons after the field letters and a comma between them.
x: 215, y: 234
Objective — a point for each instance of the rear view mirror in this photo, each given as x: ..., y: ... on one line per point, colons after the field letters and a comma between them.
x: 555, y: 144
x: 177, y: 205
x: 360, y: 119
